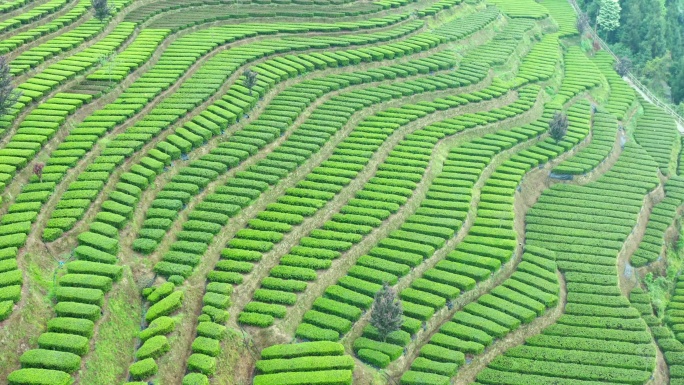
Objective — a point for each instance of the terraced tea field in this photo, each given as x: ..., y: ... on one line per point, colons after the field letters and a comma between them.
x: 213, y: 192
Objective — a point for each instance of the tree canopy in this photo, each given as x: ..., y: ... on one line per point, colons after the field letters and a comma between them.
x: 651, y: 34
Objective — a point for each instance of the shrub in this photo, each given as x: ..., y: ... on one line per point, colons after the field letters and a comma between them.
x: 32, y: 376
x: 78, y: 310
x: 79, y: 294
x: 274, y: 296
x: 339, y: 309
x: 322, y: 348
x: 429, y: 366
x: 99, y: 241
x: 202, y: 363
x: 345, y: 295
x: 86, y: 267
x: 393, y: 351
x: 277, y: 311
x: 256, y: 319
x: 51, y: 359
x: 94, y: 255
x: 211, y: 330
x: 442, y: 354
x: 208, y: 346
x: 161, y: 292
x: 375, y: 358
x: 217, y: 300
x: 165, y: 306
x: 309, y: 332
x: 305, y: 364
x: 421, y: 378
x: 64, y: 342
x: 217, y: 315
x: 153, y: 347
x: 327, y: 377
x: 176, y: 279
x: 143, y: 369
x: 339, y: 324
x: 82, y: 327
x: 291, y: 272
x: 145, y: 245
x: 173, y: 269
x: 160, y: 326
x: 195, y: 379
x: 220, y: 288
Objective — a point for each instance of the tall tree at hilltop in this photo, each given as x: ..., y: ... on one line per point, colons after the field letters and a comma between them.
x: 608, y: 17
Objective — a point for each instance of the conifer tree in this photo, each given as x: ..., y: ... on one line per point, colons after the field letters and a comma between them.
x: 558, y: 126
x: 8, y: 95
x: 386, y: 314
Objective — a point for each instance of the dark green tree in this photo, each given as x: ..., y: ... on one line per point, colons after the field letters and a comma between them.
x: 8, y: 95
x: 558, y: 126
x: 101, y: 8
x: 623, y: 66
x: 678, y: 82
x: 250, y: 79
x: 387, y: 313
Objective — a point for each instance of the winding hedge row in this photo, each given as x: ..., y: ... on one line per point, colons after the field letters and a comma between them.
x: 492, y: 316
x: 308, y: 363
x: 580, y: 74
x: 661, y: 218
x: 81, y: 291
x: 622, y: 95
x: 268, y: 127
x: 164, y: 301
x: 43, y: 122
x: 531, y: 289
x: 657, y: 133
x: 17, y: 40
x: 528, y: 9
x: 604, y: 133
x: 372, y: 204
x: 29, y: 202
x: 66, y: 41
x: 597, y: 317
x: 564, y: 15
x: 376, y: 201
x: 210, y: 122
x: 148, y: 11
x: 35, y: 14
x: 540, y: 63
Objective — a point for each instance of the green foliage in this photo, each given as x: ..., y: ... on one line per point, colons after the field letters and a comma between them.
x: 609, y: 15
x: 558, y: 126
x: 143, y: 369
x: 33, y: 376
x: 165, y: 306
x: 154, y: 347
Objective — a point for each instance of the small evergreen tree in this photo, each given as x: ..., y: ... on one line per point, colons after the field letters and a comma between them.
x: 386, y: 314
x: 558, y: 126
x: 608, y: 17
x: 623, y: 66
x: 101, y: 8
x: 38, y: 170
x: 250, y: 79
x: 8, y: 95
x: 582, y: 23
